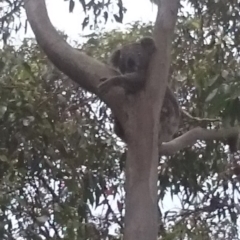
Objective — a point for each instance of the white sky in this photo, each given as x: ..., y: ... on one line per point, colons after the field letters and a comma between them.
x: 71, y: 23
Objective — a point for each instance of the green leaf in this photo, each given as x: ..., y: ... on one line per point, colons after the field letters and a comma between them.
x: 213, y: 80
x: 3, y: 109
x: 42, y: 219
x: 211, y: 95
x: 3, y: 158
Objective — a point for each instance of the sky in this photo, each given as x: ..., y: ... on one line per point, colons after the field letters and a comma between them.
x: 70, y: 23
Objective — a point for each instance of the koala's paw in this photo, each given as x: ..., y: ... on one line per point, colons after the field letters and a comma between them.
x: 103, y: 79
x: 104, y: 85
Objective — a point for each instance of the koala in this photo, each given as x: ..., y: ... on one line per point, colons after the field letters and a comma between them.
x: 170, y: 117
x: 132, y: 61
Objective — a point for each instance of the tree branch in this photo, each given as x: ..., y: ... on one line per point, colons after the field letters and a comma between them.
x: 192, y: 136
x: 163, y: 34
x: 198, y: 119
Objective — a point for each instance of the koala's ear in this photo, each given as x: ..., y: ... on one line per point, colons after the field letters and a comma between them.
x: 115, y: 58
x: 148, y: 43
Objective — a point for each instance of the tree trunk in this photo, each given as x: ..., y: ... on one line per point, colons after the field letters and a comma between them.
x: 141, y: 176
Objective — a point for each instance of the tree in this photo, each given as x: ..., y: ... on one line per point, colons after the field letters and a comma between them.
x: 74, y: 65
x: 142, y: 159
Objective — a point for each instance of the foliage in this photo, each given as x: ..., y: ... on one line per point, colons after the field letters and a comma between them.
x: 55, y: 156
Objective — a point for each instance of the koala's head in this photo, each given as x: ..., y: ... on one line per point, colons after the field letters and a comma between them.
x: 133, y: 56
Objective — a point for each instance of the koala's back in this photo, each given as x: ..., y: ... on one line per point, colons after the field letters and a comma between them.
x: 170, y: 117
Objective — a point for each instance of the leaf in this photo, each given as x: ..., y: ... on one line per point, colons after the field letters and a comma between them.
x: 213, y: 80
x: 3, y: 158
x: 56, y: 207
x: 225, y: 74
x: 85, y: 22
x: 28, y: 120
x: 105, y: 16
x: 120, y: 206
x: 233, y: 216
x: 83, y: 5
x: 71, y: 5
x: 117, y: 18
x: 42, y: 219
x: 27, y: 67
x: 21, y: 201
x: 226, y: 88
x: 3, y: 109
x: 26, y: 26
x: 211, y: 95
x: 2, y: 64
x: 194, y: 24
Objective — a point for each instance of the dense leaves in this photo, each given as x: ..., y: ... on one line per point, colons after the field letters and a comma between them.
x: 55, y: 155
